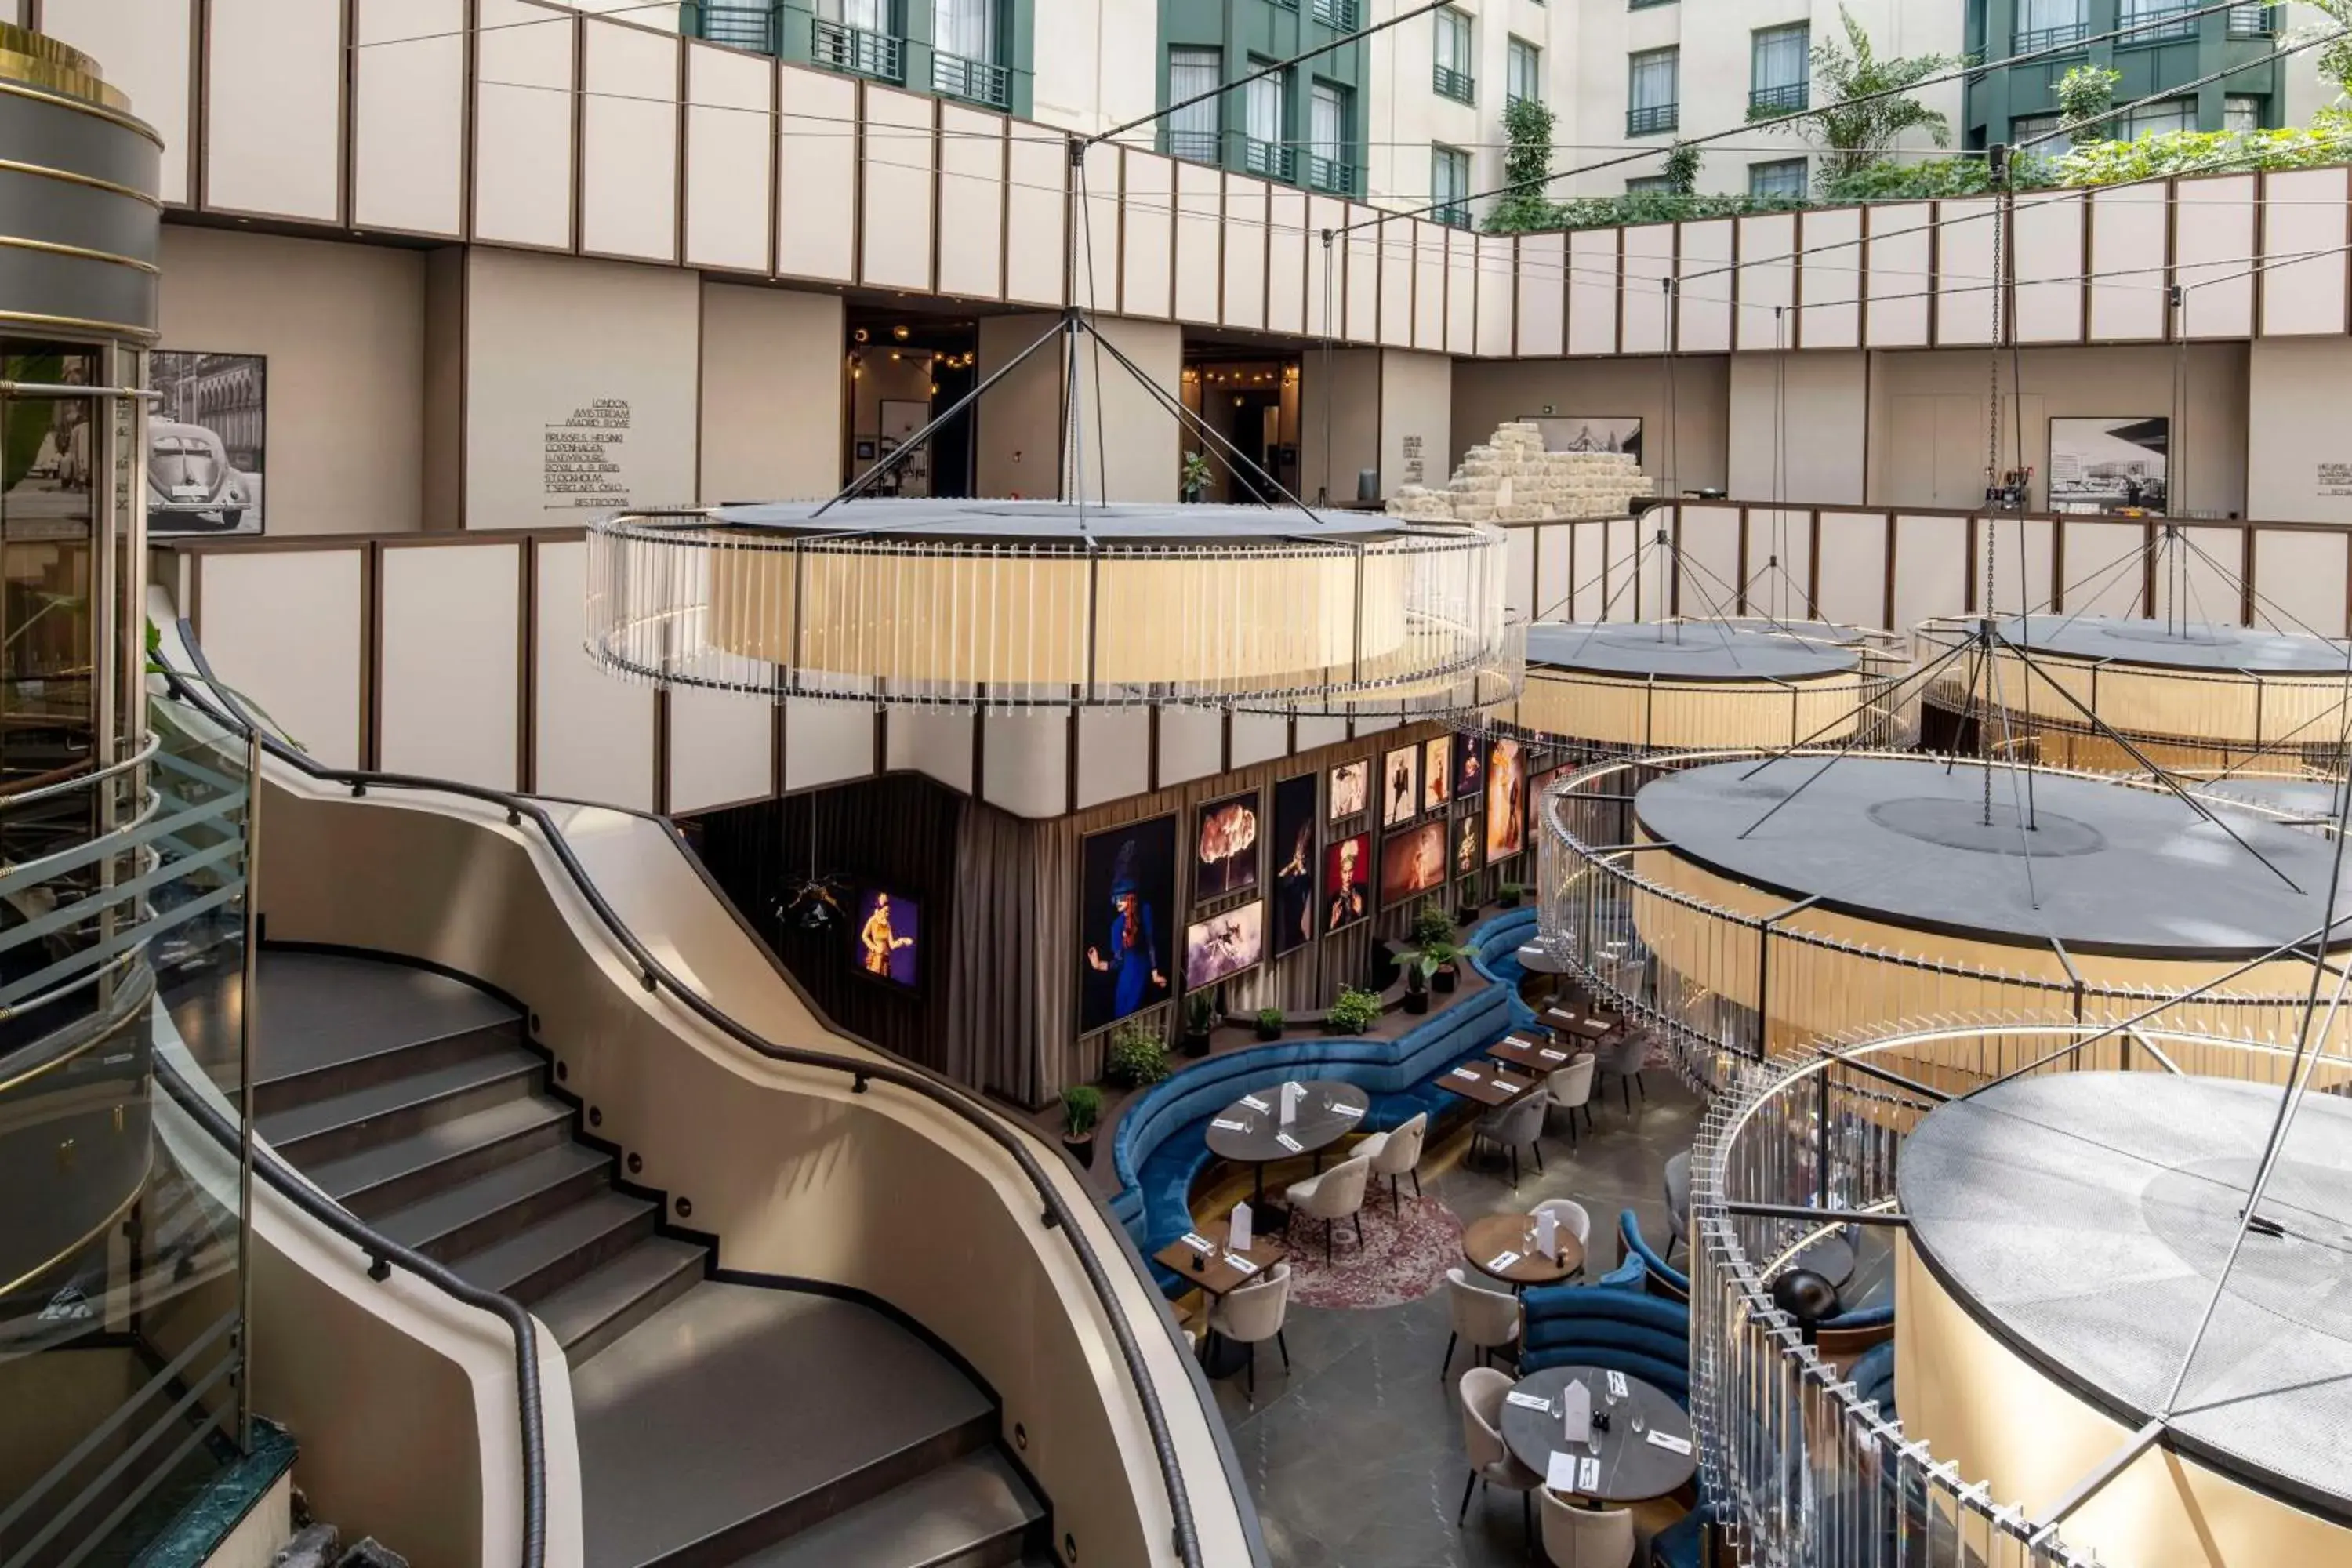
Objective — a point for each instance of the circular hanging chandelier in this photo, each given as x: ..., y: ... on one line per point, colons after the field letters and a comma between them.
x: 1013, y: 605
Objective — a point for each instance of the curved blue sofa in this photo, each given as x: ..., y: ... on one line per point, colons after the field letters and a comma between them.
x: 1621, y: 1329
x: 1159, y: 1145
x: 1663, y: 1278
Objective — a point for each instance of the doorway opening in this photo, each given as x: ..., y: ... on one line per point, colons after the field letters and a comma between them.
x: 901, y: 368
x: 1250, y: 397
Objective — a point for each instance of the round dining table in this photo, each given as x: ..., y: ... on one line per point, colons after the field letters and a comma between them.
x: 1491, y: 1236
x: 1328, y: 1111
x: 1633, y: 1468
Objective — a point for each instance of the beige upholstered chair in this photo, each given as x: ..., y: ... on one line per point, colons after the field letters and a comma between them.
x: 1516, y: 1126
x: 1577, y: 1537
x: 1625, y: 1056
x: 1255, y: 1314
x: 1491, y: 1464
x: 1336, y: 1195
x: 1489, y: 1319
x: 1571, y: 1089
x: 1396, y: 1153
x: 1573, y: 1217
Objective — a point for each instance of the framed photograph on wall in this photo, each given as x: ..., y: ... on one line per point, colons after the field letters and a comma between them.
x: 1225, y: 847
x: 1223, y: 946
x: 1437, y: 772
x: 886, y: 940
x: 1346, y: 882
x: 1412, y: 863
x: 1352, y: 790
x: 1590, y: 433
x: 2110, y: 465
x: 1506, y: 804
x: 1127, y: 886
x: 1469, y: 767
x: 206, y: 435
x: 1294, y: 863
x: 1469, y: 845
x: 1400, y: 786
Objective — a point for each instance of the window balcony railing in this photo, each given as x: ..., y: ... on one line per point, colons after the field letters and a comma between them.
x: 1271, y: 159
x: 739, y: 27
x: 1332, y: 175
x: 2158, y: 24
x: 1453, y: 215
x: 1341, y: 15
x: 952, y: 76
x: 2031, y: 39
x: 854, y: 50
x: 1653, y: 120
x: 1784, y: 99
x: 2252, y: 22
x: 1193, y: 146
x: 1460, y: 85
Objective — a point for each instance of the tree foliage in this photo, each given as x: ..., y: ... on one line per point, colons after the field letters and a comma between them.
x: 1527, y: 162
x: 2334, y: 58
x: 1852, y: 133
x: 2086, y: 92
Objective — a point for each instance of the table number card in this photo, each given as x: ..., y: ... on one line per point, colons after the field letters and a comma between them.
x: 1237, y: 1231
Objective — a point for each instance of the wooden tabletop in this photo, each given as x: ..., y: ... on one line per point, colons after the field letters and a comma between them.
x: 1218, y: 1276
x: 1570, y: 1021
x: 1522, y: 1052
x: 1253, y: 1135
x: 1484, y: 1240
x: 1486, y: 1083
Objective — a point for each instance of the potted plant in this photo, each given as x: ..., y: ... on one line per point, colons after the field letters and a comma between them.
x: 1081, y: 1109
x: 1269, y: 1023
x: 1193, y: 477
x: 1445, y: 961
x: 1137, y: 1057
x: 1200, y: 1018
x: 1510, y: 894
x: 1431, y: 926
x: 1354, y: 1012
x: 1418, y: 967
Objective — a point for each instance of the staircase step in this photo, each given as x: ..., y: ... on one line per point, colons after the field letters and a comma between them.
x: 343, y: 1124
x: 378, y: 1062
x: 972, y: 1512
x: 561, y: 1247
x: 377, y: 1182
x: 501, y: 1201
x: 609, y: 1300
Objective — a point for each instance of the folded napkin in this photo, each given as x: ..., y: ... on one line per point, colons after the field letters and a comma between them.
x: 1528, y: 1402
x: 1240, y: 1263
x: 1287, y: 1141
x: 1254, y: 1103
x: 1668, y: 1441
x: 1502, y: 1260
x: 1230, y: 1125
x: 1350, y: 1111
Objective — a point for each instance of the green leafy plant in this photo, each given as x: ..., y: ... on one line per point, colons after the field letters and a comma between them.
x: 1510, y: 894
x: 1432, y: 925
x: 1271, y: 1018
x: 1527, y: 162
x: 1196, y: 475
x: 2334, y: 59
x: 2085, y: 93
x: 1355, y: 1011
x: 1852, y: 133
x: 1136, y: 1056
x: 1081, y: 1109
x: 1682, y: 168
x: 1200, y: 1013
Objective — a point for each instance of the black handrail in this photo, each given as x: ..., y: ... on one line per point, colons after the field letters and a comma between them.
x: 654, y: 976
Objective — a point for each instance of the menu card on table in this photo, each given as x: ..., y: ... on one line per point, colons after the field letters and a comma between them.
x: 1237, y: 1230
x: 1576, y: 1413
x: 1547, y: 1234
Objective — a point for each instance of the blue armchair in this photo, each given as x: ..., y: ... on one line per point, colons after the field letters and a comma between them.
x: 1663, y: 1278
x: 1584, y: 1325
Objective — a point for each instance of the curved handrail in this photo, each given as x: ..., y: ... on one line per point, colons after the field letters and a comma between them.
x: 656, y: 976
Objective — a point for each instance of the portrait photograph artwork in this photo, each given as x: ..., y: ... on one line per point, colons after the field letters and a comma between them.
x: 1469, y: 839
x: 1346, y: 882
x: 1294, y: 863
x: 1352, y: 789
x: 1223, y: 946
x: 1399, y: 789
x: 1469, y: 768
x: 1126, y: 885
x: 1225, y: 847
x: 887, y: 937
x: 1412, y: 863
x: 1436, y: 772
x: 1506, y: 804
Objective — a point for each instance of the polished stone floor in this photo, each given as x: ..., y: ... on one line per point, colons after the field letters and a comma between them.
x: 1355, y: 1456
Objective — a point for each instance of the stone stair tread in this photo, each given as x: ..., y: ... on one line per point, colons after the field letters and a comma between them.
x: 577, y: 1308
x: 355, y: 1174
x: 945, y: 1516
x: 282, y: 1127
x: 501, y: 1264
x: 429, y: 1219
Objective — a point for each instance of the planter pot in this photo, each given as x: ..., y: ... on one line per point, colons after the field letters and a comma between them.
x: 1196, y: 1045
x: 1332, y: 1026
x: 1508, y: 901
x: 1446, y: 979
x: 1416, y: 1002
x: 1269, y: 1031
x: 1082, y: 1149
x: 1466, y: 916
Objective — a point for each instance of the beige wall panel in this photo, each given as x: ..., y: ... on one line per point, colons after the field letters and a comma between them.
x: 1148, y: 238
x: 273, y: 89
x: 1498, y: 295
x: 1114, y: 753
x: 1900, y: 279
x: 1035, y: 211
x: 628, y: 187
x: 1853, y: 586
x: 1098, y: 238
x: 1326, y: 299
x: 1555, y: 580
x: 1461, y: 293
x: 2049, y: 262
x: 2103, y: 575
x: 522, y: 125
x: 1543, y: 294
x: 1780, y: 556
x: 1191, y: 744
x: 1767, y: 282
x: 343, y: 329
x: 1965, y: 304
x: 771, y: 399
x: 937, y: 745
x: 817, y: 174
x: 900, y: 143
x: 1930, y: 563
x: 1798, y: 425
x: 1519, y: 571
x: 408, y: 112
x: 730, y: 153
x: 971, y: 201
x: 1132, y: 443
x: 1247, y: 212
x: 1317, y: 733
x: 1707, y: 575
x: 1412, y: 287
x: 1025, y: 763
x: 1286, y: 245
x: 1361, y: 278
x: 1020, y: 418
x: 2302, y: 283
x: 2212, y: 590
x: 1593, y: 292
x: 593, y: 735
x: 284, y: 628
x: 826, y: 742
x: 2215, y: 224
x: 2298, y: 430
x: 450, y: 640
x: 1416, y: 419
x: 1703, y: 299
x: 721, y: 749
x: 2300, y: 575
x: 1200, y: 232
x: 1348, y: 431
x: 1830, y: 279
x: 1487, y: 393
x: 1587, y: 542
x: 1629, y: 579
x: 2127, y: 256
x: 2022, y: 561
x: 533, y: 373
x: 1259, y: 738
x: 144, y: 47
x: 1648, y: 312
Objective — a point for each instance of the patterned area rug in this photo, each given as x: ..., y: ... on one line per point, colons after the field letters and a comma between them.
x: 1403, y: 1258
